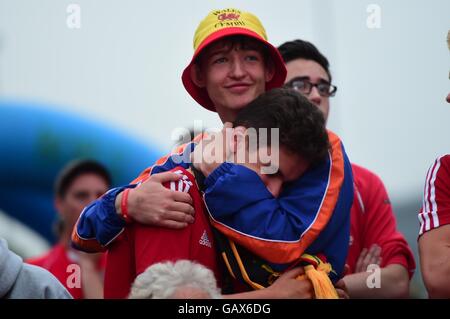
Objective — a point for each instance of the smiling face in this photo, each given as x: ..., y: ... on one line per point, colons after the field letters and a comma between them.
x: 233, y: 73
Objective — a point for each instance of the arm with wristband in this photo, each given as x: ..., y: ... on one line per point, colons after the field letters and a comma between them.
x: 280, y: 213
x: 147, y: 201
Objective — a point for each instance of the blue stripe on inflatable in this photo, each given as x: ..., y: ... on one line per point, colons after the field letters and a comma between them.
x: 36, y: 141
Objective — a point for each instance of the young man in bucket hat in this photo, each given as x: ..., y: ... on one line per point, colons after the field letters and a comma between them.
x: 261, y: 68
x: 223, y: 76
x: 151, y: 203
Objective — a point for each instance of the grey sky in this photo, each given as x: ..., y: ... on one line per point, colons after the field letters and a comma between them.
x: 124, y: 64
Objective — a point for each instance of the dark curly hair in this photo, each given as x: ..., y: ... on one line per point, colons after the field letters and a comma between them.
x: 301, y: 124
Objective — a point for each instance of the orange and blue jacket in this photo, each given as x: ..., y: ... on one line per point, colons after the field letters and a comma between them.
x: 311, y: 215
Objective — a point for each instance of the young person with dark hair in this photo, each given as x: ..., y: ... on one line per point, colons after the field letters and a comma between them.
x: 79, y: 183
x: 302, y: 146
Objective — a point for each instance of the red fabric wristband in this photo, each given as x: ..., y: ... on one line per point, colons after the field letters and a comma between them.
x: 124, y: 206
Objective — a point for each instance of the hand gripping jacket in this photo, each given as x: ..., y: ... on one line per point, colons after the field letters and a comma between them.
x: 310, y: 216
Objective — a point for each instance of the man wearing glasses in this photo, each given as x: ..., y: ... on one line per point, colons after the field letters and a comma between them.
x: 374, y: 238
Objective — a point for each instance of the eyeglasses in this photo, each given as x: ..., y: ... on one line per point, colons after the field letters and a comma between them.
x: 304, y: 86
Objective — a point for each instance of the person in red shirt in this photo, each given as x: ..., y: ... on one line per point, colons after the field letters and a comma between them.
x: 434, y: 231
x: 78, y: 183
x: 303, y: 144
x: 140, y: 246
x: 374, y: 238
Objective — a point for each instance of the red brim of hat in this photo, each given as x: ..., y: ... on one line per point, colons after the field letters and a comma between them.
x: 201, y: 95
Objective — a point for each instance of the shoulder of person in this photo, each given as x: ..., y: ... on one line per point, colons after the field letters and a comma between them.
x: 362, y: 175
x: 37, y: 283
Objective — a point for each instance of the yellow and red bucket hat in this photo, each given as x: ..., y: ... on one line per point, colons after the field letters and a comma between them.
x: 227, y: 22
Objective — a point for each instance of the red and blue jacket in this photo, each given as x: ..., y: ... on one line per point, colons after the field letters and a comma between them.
x: 311, y: 215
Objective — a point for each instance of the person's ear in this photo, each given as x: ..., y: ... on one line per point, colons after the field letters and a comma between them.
x: 197, y: 76
x: 270, y: 71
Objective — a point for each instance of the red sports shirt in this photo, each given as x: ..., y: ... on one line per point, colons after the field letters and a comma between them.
x: 435, y: 210
x: 372, y: 221
x: 140, y: 246
x: 58, y: 261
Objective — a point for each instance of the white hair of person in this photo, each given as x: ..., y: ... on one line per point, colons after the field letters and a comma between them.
x: 182, y: 279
